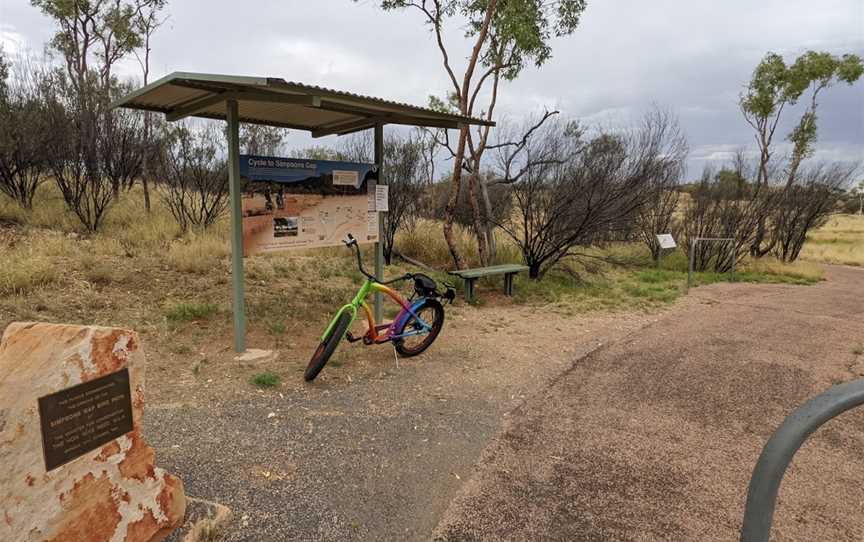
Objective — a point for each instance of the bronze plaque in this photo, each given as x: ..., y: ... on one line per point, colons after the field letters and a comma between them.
x: 82, y: 418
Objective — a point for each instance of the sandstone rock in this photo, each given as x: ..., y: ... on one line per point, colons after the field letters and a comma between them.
x: 114, y: 493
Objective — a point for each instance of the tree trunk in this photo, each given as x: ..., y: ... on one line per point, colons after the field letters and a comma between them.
x: 145, y: 162
x: 452, y: 201
x: 479, y: 229
x: 146, y: 185
x: 488, y: 226
x: 534, y: 270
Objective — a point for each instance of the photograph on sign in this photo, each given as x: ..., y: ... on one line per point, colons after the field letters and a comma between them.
x: 299, y: 203
x: 666, y: 240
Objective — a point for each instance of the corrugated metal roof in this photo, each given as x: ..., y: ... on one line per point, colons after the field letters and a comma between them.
x: 276, y: 102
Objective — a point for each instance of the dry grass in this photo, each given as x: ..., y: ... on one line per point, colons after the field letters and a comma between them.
x: 199, y: 253
x: 141, y: 271
x: 807, y: 271
x: 25, y: 271
x: 425, y: 242
x: 840, y: 241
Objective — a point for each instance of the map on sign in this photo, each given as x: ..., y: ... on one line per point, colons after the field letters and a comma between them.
x: 298, y: 203
x: 666, y: 240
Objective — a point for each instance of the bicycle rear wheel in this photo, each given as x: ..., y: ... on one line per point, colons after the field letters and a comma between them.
x: 327, y: 347
x: 432, y: 313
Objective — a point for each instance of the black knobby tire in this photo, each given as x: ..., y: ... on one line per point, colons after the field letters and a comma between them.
x: 430, y: 305
x: 327, y: 347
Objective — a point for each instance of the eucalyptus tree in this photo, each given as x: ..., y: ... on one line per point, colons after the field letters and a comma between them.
x: 92, y: 35
x: 147, y: 20
x: 775, y: 87
x: 503, y: 37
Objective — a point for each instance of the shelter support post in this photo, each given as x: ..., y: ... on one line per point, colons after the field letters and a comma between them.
x: 379, y: 246
x: 239, y: 305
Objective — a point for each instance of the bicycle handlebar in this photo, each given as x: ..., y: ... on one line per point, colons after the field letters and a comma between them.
x: 351, y: 242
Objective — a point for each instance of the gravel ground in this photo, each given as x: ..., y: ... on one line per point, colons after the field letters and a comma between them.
x: 369, y: 451
x: 654, y: 437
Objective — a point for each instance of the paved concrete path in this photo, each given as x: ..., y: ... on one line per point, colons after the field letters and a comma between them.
x: 655, y: 437
x: 370, y: 450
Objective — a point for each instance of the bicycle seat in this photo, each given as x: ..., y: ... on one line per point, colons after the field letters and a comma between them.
x: 424, y: 285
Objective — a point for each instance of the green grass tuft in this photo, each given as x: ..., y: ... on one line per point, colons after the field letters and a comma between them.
x: 276, y: 328
x: 266, y: 379
x: 189, y: 311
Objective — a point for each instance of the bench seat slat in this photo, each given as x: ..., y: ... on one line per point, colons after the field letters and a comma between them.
x: 478, y: 272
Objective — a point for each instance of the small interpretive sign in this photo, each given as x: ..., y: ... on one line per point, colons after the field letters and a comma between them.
x: 82, y: 418
x: 666, y: 240
x: 382, y: 198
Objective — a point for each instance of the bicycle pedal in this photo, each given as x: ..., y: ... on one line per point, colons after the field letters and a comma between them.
x: 351, y: 338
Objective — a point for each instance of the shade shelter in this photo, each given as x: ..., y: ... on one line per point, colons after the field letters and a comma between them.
x: 273, y: 101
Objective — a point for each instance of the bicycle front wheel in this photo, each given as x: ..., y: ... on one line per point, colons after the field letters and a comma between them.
x: 327, y: 347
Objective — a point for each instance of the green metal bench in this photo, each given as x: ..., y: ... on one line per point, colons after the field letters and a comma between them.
x: 470, y: 276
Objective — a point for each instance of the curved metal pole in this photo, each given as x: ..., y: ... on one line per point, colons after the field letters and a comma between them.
x: 781, y: 447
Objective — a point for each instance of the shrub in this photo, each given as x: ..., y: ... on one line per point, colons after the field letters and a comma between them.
x: 196, y: 177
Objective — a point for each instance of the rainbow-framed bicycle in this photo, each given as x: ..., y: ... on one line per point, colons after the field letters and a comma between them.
x: 412, y: 331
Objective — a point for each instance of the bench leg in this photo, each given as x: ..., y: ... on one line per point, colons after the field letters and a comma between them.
x: 508, y: 283
x: 469, y: 290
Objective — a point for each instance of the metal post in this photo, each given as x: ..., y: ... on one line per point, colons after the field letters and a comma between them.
x: 692, y: 263
x: 239, y: 306
x: 781, y: 447
x: 379, y: 246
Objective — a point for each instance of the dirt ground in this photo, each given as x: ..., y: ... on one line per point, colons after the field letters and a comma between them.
x: 654, y: 437
x: 372, y: 450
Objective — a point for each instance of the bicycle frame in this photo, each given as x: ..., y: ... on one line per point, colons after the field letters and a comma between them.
x: 373, y: 336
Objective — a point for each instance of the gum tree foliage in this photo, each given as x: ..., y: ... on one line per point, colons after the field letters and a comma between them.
x: 91, y: 37
x: 497, y: 193
x: 503, y: 37
x: 92, y: 34
x: 775, y: 87
x: 195, y: 175
x: 261, y: 140
x: 575, y: 191
x: 23, y: 124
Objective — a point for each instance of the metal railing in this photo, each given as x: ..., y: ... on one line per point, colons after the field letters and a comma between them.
x: 781, y: 447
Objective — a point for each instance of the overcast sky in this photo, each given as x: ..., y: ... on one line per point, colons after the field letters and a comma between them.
x: 691, y: 56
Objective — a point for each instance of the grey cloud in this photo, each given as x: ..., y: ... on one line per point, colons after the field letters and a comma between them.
x: 692, y: 57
